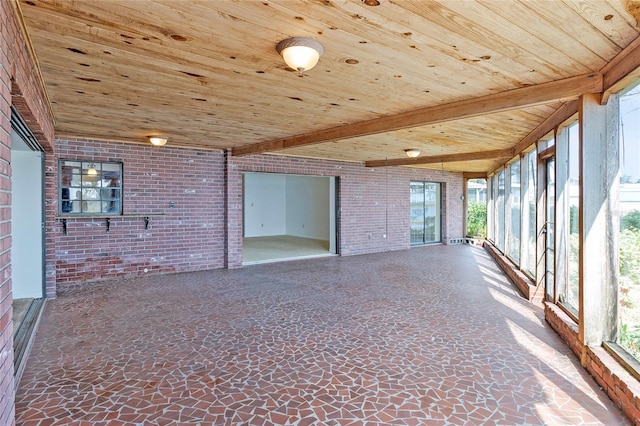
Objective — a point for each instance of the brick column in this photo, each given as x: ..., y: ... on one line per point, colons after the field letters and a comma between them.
x: 233, y: 213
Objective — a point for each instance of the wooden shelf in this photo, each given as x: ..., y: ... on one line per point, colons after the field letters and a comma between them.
x: 109, y: 216
x: 147, y: 218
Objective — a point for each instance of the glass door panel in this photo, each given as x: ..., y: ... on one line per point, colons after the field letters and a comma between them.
x: 417, y: 220
x: 550, y: 229
x: 425, y: 219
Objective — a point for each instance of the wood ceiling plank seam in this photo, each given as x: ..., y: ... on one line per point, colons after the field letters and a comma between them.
x: 580, y: 53
x: 592, y: 12
x: 350, y: 38
x: 598, y: 43
x: 510, y: 74
x: 168, y: 51
x: 512, y: 81
x: 198, y: 86
x: 518, y: 116
x: 463, y: 20
x: 194, y: 85
x: 505, y: 34
x: 451, y: 46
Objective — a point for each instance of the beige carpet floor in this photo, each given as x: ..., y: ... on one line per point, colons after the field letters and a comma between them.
x: 281, y: 247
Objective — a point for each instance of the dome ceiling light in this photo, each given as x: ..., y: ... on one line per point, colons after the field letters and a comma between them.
x: 300, y: 53
x: 412, y: 152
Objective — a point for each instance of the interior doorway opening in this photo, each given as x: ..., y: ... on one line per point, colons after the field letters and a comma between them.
x: 288, y: 217
x: 27, y: 238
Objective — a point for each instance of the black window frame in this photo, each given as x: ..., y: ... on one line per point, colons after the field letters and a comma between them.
x: 81, y: 193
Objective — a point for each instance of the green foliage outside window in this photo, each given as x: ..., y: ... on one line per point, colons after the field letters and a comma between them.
x: 477, y: 219
x: 629, y: 284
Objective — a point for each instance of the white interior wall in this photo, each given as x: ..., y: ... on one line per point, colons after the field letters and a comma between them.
x: 265, y: 208
x: 307, y: 202
x: 26, y: 225
x: 276, y: 204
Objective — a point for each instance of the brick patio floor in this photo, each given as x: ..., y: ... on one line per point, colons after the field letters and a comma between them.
x: 433, y: 336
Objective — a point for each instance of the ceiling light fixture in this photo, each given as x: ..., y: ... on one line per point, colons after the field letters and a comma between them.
x: 91, y: 171
x: 158, y: 140
x: 412, y: 152
x: 300, y: 53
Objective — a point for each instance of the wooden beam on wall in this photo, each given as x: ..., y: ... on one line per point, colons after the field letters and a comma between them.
x: 449, y: 158
x: 547, y: 153
x: 504, y: 101
x: 621, y: 71
x: 474, y: 175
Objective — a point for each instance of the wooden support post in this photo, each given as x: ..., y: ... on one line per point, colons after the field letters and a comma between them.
x: 598, y: 157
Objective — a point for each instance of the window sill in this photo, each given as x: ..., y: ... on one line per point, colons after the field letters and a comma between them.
x: 603, y: 363
x: 631, y: 364
x: 526, y: 286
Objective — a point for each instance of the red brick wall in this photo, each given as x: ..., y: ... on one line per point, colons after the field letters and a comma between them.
x: 525, y: 284
x: 618, y: 383
x: 188, y: 237
x: 20, y: 86
x: 192, y: 236
x: 373, y: 201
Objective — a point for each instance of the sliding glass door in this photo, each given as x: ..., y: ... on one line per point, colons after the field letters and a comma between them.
x: 425, y: 213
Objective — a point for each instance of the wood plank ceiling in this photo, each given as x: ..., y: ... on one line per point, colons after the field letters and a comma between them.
x: 206, y: 72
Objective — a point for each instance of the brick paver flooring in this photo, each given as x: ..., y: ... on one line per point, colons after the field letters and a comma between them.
x: 433, y: 336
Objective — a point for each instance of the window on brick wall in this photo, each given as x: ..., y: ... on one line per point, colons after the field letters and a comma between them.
x: 89, y: 188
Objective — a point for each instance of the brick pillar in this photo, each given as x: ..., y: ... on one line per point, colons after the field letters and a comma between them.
x: 7, y: 392
x: 232, y: 213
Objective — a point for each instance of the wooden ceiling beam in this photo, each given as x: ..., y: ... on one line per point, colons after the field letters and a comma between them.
x: 504, y: 101
x: 474, y: 175
x: 623, y: 70
x: 449, y: 158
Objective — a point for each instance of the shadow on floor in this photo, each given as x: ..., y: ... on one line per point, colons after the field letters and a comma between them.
x: 433, y: 335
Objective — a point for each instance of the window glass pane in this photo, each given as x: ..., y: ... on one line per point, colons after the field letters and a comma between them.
x: 417, y: 212
x: 629, y: 210
x: 513, y: 226
x: 571, y: 296
x: 425, y: 221
x: 432, y: 212
x: 500, y: 211
x: 550, y: 228
x: 477, y: 208
x: 490, y: 210
x: 546, y: 142
x: 529, y: 234
x: 90, y: 187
